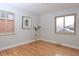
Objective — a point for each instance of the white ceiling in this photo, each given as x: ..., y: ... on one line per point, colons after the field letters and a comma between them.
x: 41, y: 8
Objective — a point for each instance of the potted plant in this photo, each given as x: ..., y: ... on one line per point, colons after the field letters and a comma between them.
x: 36, y: 28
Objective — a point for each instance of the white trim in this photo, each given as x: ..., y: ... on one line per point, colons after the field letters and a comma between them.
x: 75, y: 47
x: 11, y: 46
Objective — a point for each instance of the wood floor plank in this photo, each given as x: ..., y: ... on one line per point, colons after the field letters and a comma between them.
x: 40, y: 48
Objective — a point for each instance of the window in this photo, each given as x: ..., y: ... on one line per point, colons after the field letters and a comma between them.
x: 65, y: 24
x: 6, y: 22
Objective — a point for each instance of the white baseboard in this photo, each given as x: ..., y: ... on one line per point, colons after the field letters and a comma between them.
x: 61, y: 44
x: 11, y: 46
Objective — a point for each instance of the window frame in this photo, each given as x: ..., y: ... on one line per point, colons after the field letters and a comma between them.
x: 6, y: 32
x: 64, y: 23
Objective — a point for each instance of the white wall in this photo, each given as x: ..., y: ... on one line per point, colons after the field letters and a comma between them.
x: 47, y: 21
x: 21, y: 35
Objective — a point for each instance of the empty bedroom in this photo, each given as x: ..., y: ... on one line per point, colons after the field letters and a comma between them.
x: 39, y: 29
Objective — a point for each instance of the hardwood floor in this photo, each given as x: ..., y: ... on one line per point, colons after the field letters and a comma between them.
x: 40, y: 48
